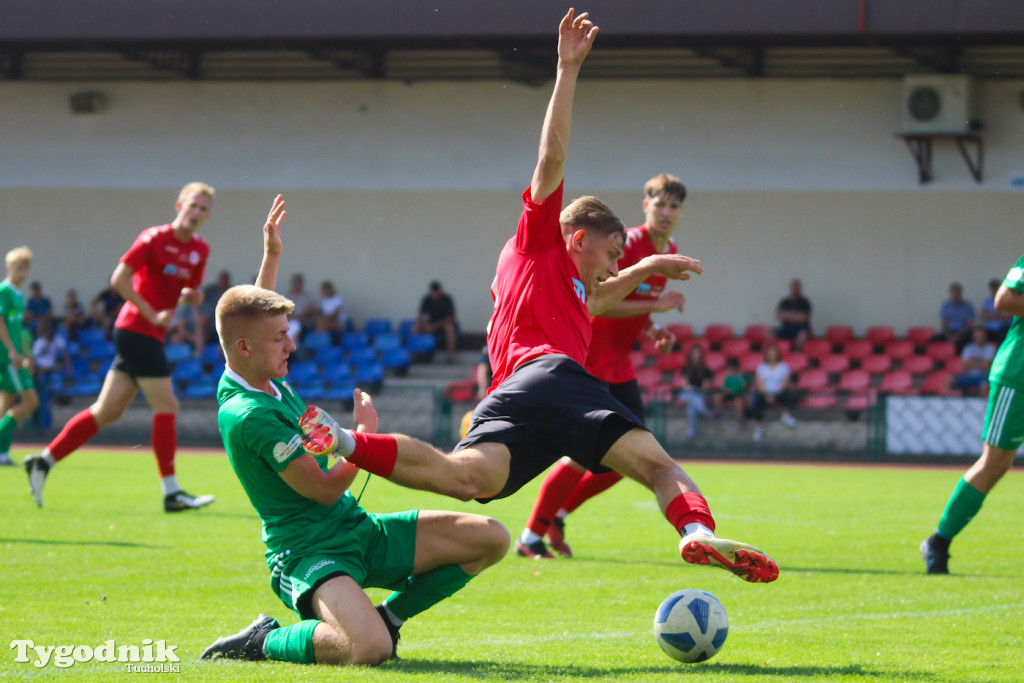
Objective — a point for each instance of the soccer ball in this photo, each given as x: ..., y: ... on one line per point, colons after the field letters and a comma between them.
x: 691, y: 625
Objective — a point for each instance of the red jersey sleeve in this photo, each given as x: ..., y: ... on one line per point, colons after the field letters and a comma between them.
x: 539, y: 228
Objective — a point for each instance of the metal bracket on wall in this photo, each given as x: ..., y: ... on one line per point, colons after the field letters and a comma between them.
x: 920, y: 145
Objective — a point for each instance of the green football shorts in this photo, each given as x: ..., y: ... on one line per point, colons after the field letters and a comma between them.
x: 1004, y: 419
x: 378, y: 553
x: 15, y: 380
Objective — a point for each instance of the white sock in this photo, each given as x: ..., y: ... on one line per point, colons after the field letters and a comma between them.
x: 529, y: 537
x: 395, y: 621
x: 169, y: 484
x: 562, y: 513
x: 48, y: 457
x: 697, y: 528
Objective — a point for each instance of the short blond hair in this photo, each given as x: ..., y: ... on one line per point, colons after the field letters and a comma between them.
x: 196, y: 188
x: 243, y: 304
x: 19, y: 255
x: 665, y: 184
x: 591, y: 214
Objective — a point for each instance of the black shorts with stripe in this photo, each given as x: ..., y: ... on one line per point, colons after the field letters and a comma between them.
x: 139, y: 355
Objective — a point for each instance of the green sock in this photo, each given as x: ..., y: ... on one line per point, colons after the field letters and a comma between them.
x: 960, y: 509
x: 426, y: 590
x: 7, y: 425
x: 292, y: 643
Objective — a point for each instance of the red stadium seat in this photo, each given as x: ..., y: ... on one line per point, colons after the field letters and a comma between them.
x: 856, y: 349
x: 954, y: 364
x: 899, y: 349
x: 638, y: 358
x: 876, y: 363
x: 880, y: 335
x: 918, y: 365
x: 647, y: 346
x: 812, y: 380
x: 819, y: 401
x: 757, y: 334
x: 749, y: 362
x: 856, y: 380
x: 670, y: 362
x: 716, y: 362
x: 682, y: 331
x: 935, y: 384
x: 940, y: 350
x: 716, y: 333
x: 897, y: 382
x: 690, y: 343
x: 859, y: 402
x: 920, y: 335
x: 834, y: 363
x: 734, y: 348
x: 797, y: 362
x: 784, y: 345
x: 839, y: 334
x: 815, y: 348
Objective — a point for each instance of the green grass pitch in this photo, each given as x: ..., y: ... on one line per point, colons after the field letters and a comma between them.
x: 103, y: 561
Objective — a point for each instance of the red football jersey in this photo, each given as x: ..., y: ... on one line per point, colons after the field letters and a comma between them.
x: 539, y: 301
x: 612, y: 338
x: 163, y: 267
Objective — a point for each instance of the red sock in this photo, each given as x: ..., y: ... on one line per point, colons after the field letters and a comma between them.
x: 591, y: 485
x: 76, y: 432
x: 165, y: 442
x: 555, y: 489
x: 687, y: 508
x: 375, y: 453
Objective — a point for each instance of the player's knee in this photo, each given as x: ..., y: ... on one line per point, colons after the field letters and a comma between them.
x: 371, y: 652
x: 498, y: 540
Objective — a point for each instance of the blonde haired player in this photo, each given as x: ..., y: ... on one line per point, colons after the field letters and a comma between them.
x: 18, y: 396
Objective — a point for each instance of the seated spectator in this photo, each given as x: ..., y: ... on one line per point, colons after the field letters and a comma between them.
x: 794, y: 316
x: 211, y: 295
x: 698, y: 379
x: 997, y: 323
x: 332, y: 316
x: 38, y: 308
x: 186, y: 328
x: 437, y: 317
x: 103, y: 309
x: 772, y: 387
x: 977, y: 361
x: 305, y: 308
x: 51, y: 357
x: 956, y: 318
x: 735, y: 388
x: 73, y: 316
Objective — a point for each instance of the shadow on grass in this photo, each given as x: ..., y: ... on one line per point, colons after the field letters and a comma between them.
x: 115, y: 544
x: 511, y: 672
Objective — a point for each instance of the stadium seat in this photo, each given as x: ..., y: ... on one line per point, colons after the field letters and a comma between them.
x: 797, y: 362
x: 757, y: 334
x: 920, y: 335
x: 855, y: 349
x: 859, y: 402
x: 638, y: 359
x: 188, y: 370
x: 839, y: 334
x: 876, y: 363
x: 303, y: 371
x: 354, y: 340
x: 397, y: 360
x: 405, y: 328
x: 816, y: 348
x: 375, y: 326
x: 336, y: 373
x: 103, y: 351
x: 329, y: 355
x: 340, y: 392
x: 940, y: 350
x: 734, y: 348
x: 648, y: 347
x: 716, y: 333
x: 918, y: 365
x: 362, y: 355
x: 812, y: 380
x: 313, y: 390
x: 750, y: 361
x: 819, y: 401
x: 176, y: 353
x: 897, y: 382
x: 694, y: 341
x: 315, y: 341
x: 935, y: 384
x: 84, y: 387
x: 954, y: 364
x: 212, y: 353
x: 421, y: 346
x: 879, y: 335
x: 784, y: 345
x: 385, y: 341
x: 715, y: 361
x: 834, y: 363
x: 856, y: 380
x: 461, y: 391
x: 91, y: 335
x: 670, y: 362
x: 204, y: 388
x: 368, y: 373
x: 899, y: 349
x: 682, y: 331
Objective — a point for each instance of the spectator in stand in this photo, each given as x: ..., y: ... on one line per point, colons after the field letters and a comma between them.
x: 186, y: 328
x: 73, y: 318
x: 104, y: 309
x: 735, y: 390
x: 305, y: 308
x: 771, y: 388
x: 956, y: 318
x: 997, y: 323
x: 51, y: 358
x: 38, y: 308
x: 437, y: 317
x: 211, y: 295
x: 332, y: 317
x: 794, y: 315
x: 977, y: 361
x: 698, y: 378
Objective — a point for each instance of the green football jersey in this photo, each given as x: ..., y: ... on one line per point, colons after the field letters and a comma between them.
x: 12, y: 311
x: 261, y: 435
x: 1008, y: 365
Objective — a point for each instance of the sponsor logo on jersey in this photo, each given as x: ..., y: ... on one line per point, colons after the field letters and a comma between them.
x: 580, y: 290
x: 283, y: 451
x: 193, y: 257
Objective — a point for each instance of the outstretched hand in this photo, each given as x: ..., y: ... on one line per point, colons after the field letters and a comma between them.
x: 674, y: 266
x: 575, y: 37
x: 272, y: 243
x: 364, y: 415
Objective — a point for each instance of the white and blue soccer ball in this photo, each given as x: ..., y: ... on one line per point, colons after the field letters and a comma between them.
x: 691, y: 625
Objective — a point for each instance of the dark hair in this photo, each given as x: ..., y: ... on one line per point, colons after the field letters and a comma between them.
x: 665, y: 184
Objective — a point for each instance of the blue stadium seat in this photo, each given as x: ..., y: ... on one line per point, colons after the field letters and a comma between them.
x: 387, y: 340
x: 313, y: 391
x: 91, y: 335
x: 421, y: 343
x: 188, y: 370
x: 204, y: 388
x: 397, y: 360
x: 368, y: 374
x: 84, y: 387
x: 340, y: 392
x: 212, y: 353
x: 363, y: 355
x: 375, y: 326
x: 329, y: 355
x: 303, y: 371
x: 316, y: 340
x: 100, y: 351
x: 337, y: 373
x: 177, y: 352
x: 405, y: 327
x: 354, y: 340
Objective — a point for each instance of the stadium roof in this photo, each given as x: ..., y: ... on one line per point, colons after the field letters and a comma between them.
x: 409, y: 40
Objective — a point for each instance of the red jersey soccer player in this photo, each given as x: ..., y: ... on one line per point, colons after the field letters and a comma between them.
x: 164, y: 267
x: 558, y: 270
x: 567, y: 485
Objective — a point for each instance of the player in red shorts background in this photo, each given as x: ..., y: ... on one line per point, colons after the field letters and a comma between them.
x: 163, y: 267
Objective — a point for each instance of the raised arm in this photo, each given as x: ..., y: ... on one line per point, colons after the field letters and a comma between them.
x: 1010, y: 301
x: 613, y: 290
x: 575, y: 37
x: 272, y: 245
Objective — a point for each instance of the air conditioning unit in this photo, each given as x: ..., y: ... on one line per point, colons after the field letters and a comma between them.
x: 938, y: 104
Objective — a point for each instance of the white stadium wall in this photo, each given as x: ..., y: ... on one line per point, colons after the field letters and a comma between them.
x: 390, y: 186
